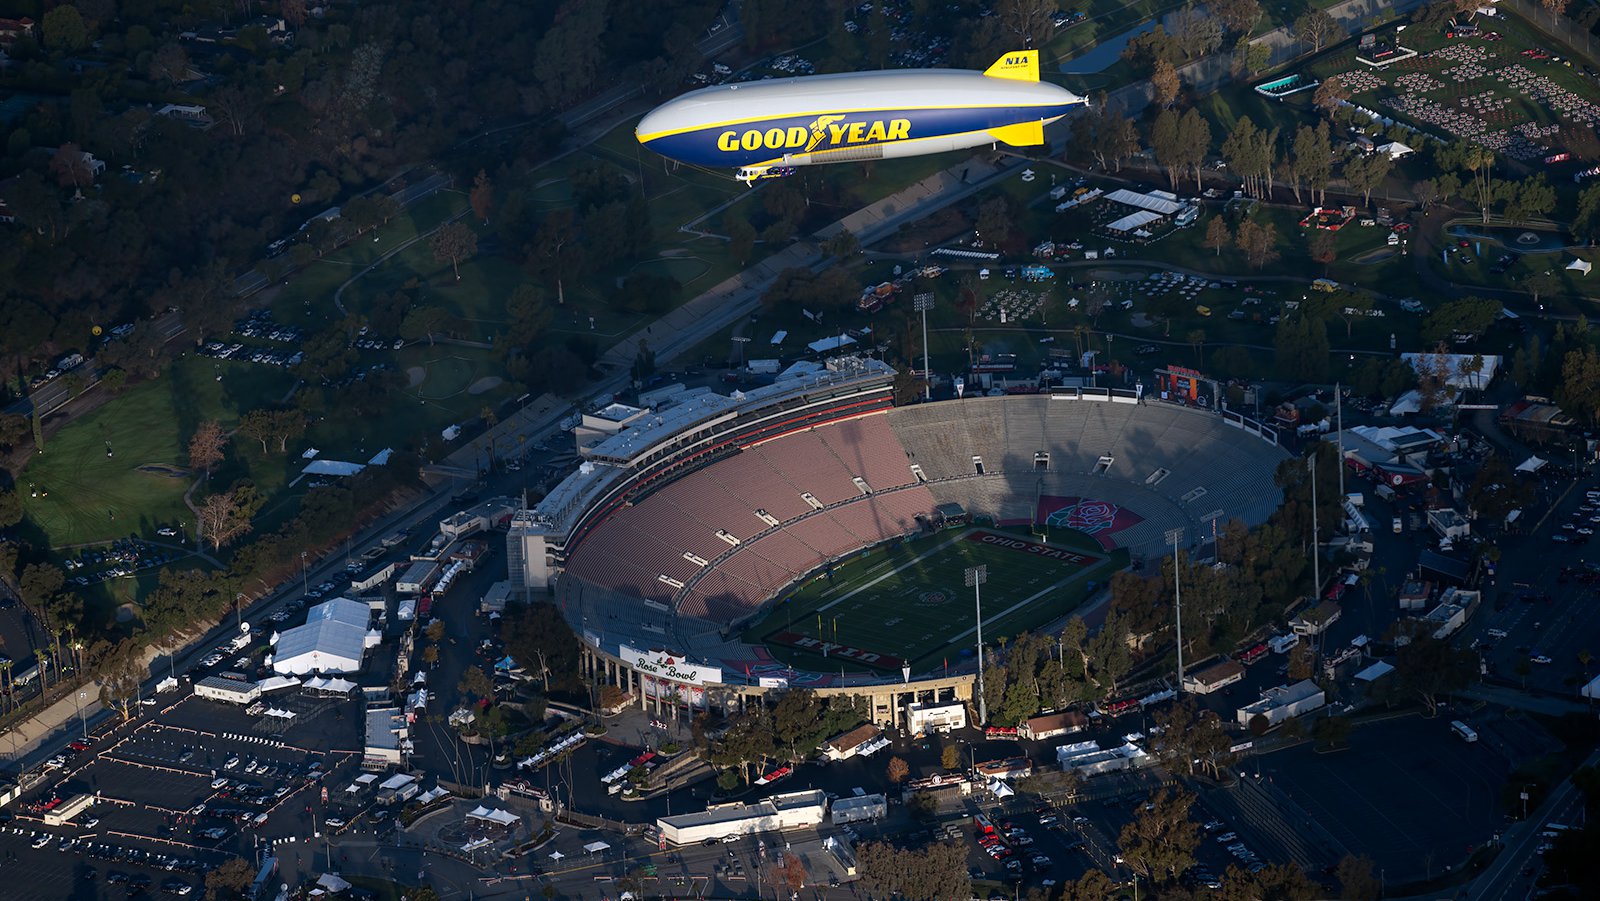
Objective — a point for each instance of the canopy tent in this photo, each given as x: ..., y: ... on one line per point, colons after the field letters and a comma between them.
x: 398, y: 780
x: 1134, y: 220
x: 491, y: 815
x: 595, y: 847
x: 332, y: 883
x: 1395, y: 149
x: 1532, y: 464
x: 1001, y: 789
x: 1580, y: 266
x: 277, y: 683
x: 1161, y: 206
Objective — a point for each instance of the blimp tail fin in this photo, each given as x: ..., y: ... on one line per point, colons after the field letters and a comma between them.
x: 1022, y: 134
x: 1018, y: 65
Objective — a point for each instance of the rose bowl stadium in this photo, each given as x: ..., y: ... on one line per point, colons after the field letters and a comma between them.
x: 810, y: 532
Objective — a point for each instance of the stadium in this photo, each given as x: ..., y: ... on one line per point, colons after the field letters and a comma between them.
x: 809, y: 532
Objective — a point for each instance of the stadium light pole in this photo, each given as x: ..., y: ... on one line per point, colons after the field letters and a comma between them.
x: 1175, y: 536
x: 976, y: 576
x: 1338, y: 416
x: 922, y: 303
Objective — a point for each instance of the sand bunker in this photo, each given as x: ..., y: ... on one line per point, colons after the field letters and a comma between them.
x: 415, y: 375
x: 164, y: 469
x: 487, y: 383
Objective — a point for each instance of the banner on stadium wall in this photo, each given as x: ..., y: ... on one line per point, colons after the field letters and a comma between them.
x: 667, y: 665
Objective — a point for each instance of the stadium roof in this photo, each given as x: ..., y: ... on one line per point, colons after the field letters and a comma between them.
x: 332, y: 640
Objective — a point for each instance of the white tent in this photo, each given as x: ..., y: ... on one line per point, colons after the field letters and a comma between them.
x: 1580, y: 266
x: 1592, y: 689
x: 595, y: 847
x: 277, y: 683
x: 1395, y: 149
x: 1532, y: 464
x: 333, y: 640
x: 491, y: 815
x: 332, y: 883
x: 1001, y: 789
x: 1134, y: 220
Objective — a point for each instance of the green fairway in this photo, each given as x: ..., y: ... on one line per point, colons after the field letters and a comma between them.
x: 909, y: 603
x: 122, y: 470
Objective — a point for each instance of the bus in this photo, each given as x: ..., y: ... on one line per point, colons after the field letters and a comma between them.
x: 1254, y: 654
x: 1463, y: 730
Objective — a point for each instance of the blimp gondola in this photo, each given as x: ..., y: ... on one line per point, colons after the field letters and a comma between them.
x: 766, y: 129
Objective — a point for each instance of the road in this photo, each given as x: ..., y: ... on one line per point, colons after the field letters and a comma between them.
x: 55, y: 394
x: 1513, y: 874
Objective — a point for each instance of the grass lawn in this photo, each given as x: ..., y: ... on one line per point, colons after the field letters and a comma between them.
x: 909, y: 600
x: 139, y: 486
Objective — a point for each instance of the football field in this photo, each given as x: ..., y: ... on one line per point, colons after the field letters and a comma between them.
x: 908, y: 603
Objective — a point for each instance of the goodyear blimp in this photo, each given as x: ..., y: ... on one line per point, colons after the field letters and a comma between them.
x: 768, y: 128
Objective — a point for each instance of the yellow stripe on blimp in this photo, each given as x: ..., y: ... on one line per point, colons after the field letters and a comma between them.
x: 730, y: 123
x: 1014, y: 135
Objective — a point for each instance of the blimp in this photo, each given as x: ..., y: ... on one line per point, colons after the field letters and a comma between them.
x: 766, y: 129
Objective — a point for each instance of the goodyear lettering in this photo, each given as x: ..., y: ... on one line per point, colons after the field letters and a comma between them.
x: 826, y: 131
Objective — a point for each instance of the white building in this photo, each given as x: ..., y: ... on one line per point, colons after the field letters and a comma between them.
x: 858, y: 808
x: 795, y: 810
x: 333, y: 640
x: 228, y: 691
x: 1278, y: 704
x: 945, y: 717
x: 387, y: 738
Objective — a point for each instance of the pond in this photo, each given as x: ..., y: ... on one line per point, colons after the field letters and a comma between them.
x: 1514, y: 237
x: 1101, y: 56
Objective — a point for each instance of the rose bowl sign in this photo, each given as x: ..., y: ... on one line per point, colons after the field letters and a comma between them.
x: 667, y: 665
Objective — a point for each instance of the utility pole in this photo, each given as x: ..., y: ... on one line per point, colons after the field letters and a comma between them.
x: 976, y: 576
x: 1175, y: 536
x: 1316, y: 541
x: 1338, y: 407
x: 922, y: 303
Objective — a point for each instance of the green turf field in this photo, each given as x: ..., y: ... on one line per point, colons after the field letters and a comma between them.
x: 909, y: 602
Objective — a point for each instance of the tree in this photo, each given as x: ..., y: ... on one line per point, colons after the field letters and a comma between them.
x: 235, y: 876
x: 1165, y: 141
x: 1164, y: 80
x: 70, y: 166
x: 1316, y: 27
x: 482, y: 197
x: 293, y: 12
x: 257, y: 425
x: 931, y: 872
x: 10, y: 509
x: 1356, y: 880
x: 1238, y: 16
x: 452, y: 243
x: 1250, y: 57
x: 1160, y: 842
x: 1330, y: 95
x: 1527, y: 198
x: 1586, y: 223
x: 1217, y: 234
x: 1322, y: 247
x: 950, y: 757
x: 898, y: 770
x: 424, y: 321
x: 741, y: 240
x: 1198, y: 33
x: 1331, y: 731
x: 1194, y: 141
x: 222, y: 519
x: 1302, y: 348
x: 1258, y: 242
x: 1197, y: 340
x: 1580, y: 383
x: 1542, y: 284
x: 206, y: 446
x: 842, y: 245
x: 64, y: 29
x: 1471, y: 316
x: 170, y: 63
x: 1429, y: 667
x: 121, y: 673
x: 1365, y: 172
x: 1029, y: 20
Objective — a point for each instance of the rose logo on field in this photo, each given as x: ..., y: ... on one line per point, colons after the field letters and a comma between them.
x: 1086, y: 516
x: 932, y: 598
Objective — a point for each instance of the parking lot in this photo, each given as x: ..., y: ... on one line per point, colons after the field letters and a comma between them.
x: 192, y: 783
x: 1405, y: 793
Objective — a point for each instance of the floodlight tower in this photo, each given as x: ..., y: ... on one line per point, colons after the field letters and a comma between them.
x: 1175, y: 536
x: 922, y: 303
x: 976, y: 576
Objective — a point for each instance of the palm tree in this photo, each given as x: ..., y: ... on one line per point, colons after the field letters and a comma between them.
x: 5, y: 679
